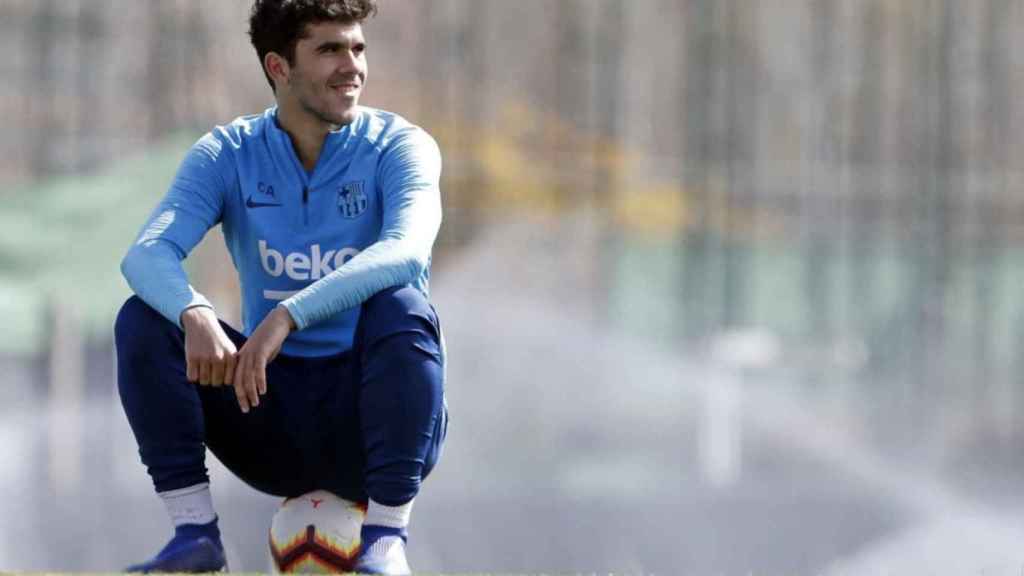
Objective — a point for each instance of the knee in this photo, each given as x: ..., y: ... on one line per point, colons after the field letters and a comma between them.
x: 135, y: 321
x: 394, y: 310
x: 142, y: 339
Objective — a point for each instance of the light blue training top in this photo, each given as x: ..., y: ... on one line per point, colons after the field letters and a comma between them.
x: 320, y: 242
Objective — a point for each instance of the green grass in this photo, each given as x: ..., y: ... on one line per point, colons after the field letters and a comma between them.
x: 63, y: 238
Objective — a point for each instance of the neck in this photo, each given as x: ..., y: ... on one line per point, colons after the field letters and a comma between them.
x: 306, y: 132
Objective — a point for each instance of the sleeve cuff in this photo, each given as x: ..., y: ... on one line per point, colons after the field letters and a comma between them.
x: 293, y: 309
x: 197, y: 301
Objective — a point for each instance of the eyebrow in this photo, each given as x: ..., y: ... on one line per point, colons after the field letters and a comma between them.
x: 335, y: 45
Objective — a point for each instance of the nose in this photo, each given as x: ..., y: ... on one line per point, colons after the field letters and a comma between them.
x: 350, y: 62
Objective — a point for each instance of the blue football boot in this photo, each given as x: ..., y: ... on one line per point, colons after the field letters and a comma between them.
x: 382, y: 552
x: 194, y: 548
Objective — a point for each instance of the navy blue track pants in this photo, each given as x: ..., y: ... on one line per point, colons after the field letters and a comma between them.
x: 369, y: 422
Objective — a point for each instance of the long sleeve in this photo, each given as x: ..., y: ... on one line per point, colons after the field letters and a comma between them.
x: 192, y: 205
x: 409, y: 173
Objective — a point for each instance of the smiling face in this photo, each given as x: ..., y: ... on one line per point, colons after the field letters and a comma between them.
x: 328, y: 73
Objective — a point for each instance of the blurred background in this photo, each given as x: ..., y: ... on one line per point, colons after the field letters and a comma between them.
x: 729, y: 286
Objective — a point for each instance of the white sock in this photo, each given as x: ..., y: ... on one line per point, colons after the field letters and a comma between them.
x: 191, y: 505
x: 382, y: 547
x: 388, y: 516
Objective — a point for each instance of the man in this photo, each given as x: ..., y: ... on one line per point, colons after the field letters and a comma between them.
x: 329, y: 211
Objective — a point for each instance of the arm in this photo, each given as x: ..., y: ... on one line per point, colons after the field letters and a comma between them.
x: 192, y: 205
x: 409, y: 175
x: 153, y: 268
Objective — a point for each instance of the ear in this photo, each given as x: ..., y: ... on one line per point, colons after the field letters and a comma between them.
x: 277, y: 68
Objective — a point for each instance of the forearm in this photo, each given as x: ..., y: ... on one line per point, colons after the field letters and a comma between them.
x: 391, y: 262
x: 154, y: 272
x: 410, y: 174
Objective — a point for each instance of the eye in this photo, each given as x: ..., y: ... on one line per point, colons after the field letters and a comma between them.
x: 359, y: 48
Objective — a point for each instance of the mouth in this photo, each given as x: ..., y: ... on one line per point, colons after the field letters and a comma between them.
x: 346, y: 88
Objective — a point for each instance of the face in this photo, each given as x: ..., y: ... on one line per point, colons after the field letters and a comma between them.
x: 328, y: 74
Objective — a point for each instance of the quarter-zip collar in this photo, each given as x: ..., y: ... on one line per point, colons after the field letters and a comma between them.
x: 335, y: 154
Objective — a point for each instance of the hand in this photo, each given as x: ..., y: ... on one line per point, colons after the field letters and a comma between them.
x: 209, y: 353
x: 250, y: 379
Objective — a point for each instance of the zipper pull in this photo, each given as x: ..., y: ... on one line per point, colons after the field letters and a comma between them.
x: 305, y: 205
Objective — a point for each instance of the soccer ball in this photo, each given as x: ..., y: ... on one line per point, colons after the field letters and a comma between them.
x: 316, y: 533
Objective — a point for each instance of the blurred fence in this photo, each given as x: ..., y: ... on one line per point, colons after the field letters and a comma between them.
x: 837, y: 174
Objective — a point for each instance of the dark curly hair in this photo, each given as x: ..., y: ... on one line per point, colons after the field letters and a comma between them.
x: 278, y: 25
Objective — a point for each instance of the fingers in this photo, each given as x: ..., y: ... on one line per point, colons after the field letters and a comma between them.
x: 217, y: 372
x: 261, y: 382
x: 205, y: 368
x: 254, y: 371
x: 212, y: 372
x: 238, y: 379
x: 249, y: 374
x: 192, y: 369
x: 244, y: 381
x: 229, y: 369
x: 243, y: 401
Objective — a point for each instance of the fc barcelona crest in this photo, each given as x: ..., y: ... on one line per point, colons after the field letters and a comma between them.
x: 351, y: 199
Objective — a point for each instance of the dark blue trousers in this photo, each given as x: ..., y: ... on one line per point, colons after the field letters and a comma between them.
x: 369, y: 422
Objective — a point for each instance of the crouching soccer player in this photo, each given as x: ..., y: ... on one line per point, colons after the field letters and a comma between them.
x: 329, y: 211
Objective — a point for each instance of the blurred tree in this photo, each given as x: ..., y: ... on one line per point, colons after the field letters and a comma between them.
x: 90, y: 29
x: 698, y: 83
x: 993, y: 163
x: 864, y: 158
x: 160, y: 86
x: 609, y: 92
x: 739, y: 158
x: 44, y: 40
x: 817, y: 241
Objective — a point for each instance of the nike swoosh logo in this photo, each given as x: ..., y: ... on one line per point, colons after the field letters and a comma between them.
x: 252, y: 204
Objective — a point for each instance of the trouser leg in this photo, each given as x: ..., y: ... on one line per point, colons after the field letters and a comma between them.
x: 400, y: 371
x: 163, y: 408
x: 175, y: 420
